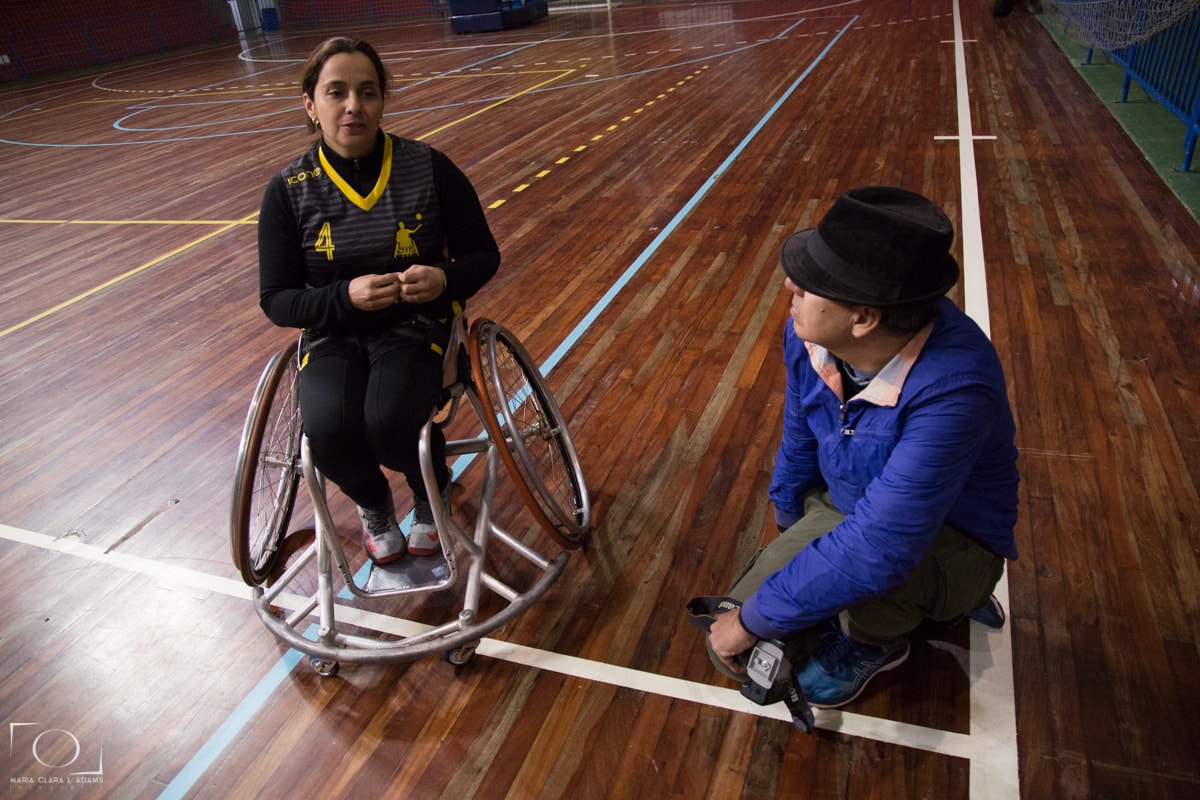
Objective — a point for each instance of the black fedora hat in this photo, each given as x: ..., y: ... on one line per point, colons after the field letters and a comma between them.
x: 876, y: 246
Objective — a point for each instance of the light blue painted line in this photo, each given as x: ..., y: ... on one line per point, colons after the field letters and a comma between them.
x: 120, y: 124
x: 552, y: 360
x: 237, y: 720
x: 245, y: 712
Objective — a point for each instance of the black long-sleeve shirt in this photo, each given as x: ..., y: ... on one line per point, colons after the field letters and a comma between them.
x: 293, y: 293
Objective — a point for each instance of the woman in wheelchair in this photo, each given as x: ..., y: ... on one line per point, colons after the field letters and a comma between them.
x: 370, y: 243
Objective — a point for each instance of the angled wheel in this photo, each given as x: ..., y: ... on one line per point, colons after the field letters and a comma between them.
x: 268, y: 470
x: 326, y: 669
x: 521, y: 412
x: 460, y: 656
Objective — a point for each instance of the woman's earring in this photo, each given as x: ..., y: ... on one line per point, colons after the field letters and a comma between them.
x: 316, y: 122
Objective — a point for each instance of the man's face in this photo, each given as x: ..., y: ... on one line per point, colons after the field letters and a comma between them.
x: 818, y: 319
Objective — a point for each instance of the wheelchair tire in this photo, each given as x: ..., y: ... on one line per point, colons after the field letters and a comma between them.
x: 268, y: 470
x: 521, y: 412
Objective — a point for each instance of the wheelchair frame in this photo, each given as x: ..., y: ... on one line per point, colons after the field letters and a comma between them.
x: 523, y: 431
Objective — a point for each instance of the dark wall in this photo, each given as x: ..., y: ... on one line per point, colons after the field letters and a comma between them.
x: 46, y: 37
x: 54, y: 36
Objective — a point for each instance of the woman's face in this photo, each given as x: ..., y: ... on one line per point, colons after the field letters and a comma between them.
x: 347, y: 104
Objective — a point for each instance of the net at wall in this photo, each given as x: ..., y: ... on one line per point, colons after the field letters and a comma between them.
x: 1113, y: 24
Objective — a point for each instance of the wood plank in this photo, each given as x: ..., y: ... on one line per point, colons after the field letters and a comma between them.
x: 132, y: 340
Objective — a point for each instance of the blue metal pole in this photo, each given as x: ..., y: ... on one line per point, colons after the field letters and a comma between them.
x: 92, y: 43
x: 1189, y: 141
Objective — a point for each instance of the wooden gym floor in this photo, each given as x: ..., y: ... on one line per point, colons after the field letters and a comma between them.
x: 641, y: 165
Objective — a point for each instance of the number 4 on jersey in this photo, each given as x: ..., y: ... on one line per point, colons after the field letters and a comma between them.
x: 325, y: 242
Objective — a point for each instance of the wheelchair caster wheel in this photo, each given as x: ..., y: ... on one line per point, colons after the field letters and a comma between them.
x: 326, y: 669
x: 459, y: 656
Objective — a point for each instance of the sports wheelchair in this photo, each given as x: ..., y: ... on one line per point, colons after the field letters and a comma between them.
x: 291, y: 573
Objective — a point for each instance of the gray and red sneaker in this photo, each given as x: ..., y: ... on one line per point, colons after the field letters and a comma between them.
x: 381, y: 534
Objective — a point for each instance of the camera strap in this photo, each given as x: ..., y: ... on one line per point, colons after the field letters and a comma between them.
x: 768, y: 670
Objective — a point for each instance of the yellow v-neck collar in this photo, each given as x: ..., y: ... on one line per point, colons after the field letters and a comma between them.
x: 385, y: 170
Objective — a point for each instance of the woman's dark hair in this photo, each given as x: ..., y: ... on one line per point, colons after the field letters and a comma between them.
x: 329, y: 48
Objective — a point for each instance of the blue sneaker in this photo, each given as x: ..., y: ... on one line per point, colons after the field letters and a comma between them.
x: 990, y: 614
x: 841, y: 667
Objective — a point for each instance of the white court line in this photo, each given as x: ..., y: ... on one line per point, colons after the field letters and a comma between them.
x: 993, y: 696
x: 990, y: 746
x: 974, y: 278
x: 976, y: 747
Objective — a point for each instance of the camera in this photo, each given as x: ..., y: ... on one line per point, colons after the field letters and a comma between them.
x: 770, y: 681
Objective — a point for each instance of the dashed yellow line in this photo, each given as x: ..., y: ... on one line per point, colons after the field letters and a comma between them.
x: 559, y: 75
x: 227, y: 225
x: 224, y: 225
x: 599, y: 136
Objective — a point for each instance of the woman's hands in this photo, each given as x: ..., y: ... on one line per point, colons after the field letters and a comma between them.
x: 417, y: 284
x: 375, y: 292
x: 421, y: 284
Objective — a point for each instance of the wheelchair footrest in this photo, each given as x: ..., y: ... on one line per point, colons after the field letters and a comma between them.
x: 411, y: 572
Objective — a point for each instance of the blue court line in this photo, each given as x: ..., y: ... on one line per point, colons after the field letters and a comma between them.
x: 237, y: 720
x: 154, y: 104
x: 552, y: 360
x: 258, y: 696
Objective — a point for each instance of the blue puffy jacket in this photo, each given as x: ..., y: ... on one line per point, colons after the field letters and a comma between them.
x: 928, y: 442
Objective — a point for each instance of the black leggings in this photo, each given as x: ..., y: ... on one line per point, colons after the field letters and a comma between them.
x: 363, y: 401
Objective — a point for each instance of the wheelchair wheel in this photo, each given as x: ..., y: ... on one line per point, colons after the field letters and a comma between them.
x: 268, y: 470
x: 521, y: 412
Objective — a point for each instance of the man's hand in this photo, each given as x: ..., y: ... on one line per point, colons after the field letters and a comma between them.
x: 729, y: 639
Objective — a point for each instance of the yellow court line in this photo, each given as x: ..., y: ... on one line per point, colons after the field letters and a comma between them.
x: 230, y: 225
x: 112, y: 100
x: 247, y: 221
x: 168, y: 94
x: 561, y: 75
x: 53, y: 108
x: 171, y: 94
x: 119, y: 278
x: 419, y: 77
